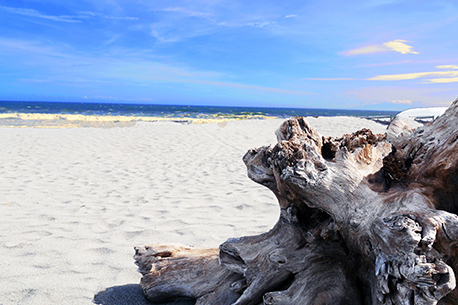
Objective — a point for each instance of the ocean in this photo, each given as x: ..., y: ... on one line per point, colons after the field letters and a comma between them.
x: 177, y: 111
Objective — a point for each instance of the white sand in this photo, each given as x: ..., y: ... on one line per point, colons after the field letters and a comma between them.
x: 74, y: 202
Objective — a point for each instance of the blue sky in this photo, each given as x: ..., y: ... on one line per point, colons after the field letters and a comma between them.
x: 381, y: 54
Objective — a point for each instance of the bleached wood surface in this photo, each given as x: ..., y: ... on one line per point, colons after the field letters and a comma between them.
x: 365, y: 219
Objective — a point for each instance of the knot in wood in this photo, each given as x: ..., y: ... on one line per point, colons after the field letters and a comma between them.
x: 403, y: 222
x: 277, y: 257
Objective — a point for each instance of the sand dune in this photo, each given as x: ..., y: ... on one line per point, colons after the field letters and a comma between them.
x: 74, y: 202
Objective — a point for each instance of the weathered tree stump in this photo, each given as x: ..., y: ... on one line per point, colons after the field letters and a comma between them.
x: 365, y: 219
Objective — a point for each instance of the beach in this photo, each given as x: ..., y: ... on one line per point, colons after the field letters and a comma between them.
x: 75, y: 201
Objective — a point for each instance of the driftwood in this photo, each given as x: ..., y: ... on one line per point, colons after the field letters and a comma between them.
x: 365, y: 219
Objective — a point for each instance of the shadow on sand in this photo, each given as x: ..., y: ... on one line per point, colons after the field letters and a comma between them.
x: 130, y: 294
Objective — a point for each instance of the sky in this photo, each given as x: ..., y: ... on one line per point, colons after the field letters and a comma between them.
x: 374, y: 55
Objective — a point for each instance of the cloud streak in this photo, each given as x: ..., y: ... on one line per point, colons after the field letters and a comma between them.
x: 69, y: 69
x: 397, y: 45
x: 31, y: 48
x: 329, y: 79
x: 404, y: 95
x: 253, y: 87
x: 443, y: 80
x: 407, y: 76
x: 187, y: 12
x: 60, y: 18
x: 37, y: 14
x: 436, y: 76
x: 448, y: 67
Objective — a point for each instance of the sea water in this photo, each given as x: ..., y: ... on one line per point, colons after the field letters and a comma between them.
x: 177, y: 111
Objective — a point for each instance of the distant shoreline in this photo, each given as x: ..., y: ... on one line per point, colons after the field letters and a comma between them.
x: 60, y: 114
x: 48, y: 120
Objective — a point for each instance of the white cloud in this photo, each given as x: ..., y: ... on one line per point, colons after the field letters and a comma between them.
x: 329, y: 79
x: 365, y: 50
x: 161, y: 39
x: 87, y: 14
x: 34, y: 48
x: 402, y: 102
x: 120, y: 18
x: 257, y: 24
x: 443, y: 80
x: 112, y: 39
x: 291, y: 16
x: 260, y: 24
x: 421, y: 96
x: 185, y: 11
x: 394, y: 77
x: 448, y: 67
x: 60, y: 18
x: 397, y: 45
x: 252, y: 87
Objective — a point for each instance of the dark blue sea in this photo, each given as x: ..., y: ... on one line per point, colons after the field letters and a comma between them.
x: 177, y: 111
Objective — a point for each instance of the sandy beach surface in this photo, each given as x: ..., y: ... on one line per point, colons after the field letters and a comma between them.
x: 75, y: 201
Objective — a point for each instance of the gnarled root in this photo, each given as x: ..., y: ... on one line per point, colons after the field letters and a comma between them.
x: 179, y: 272
x: 365, y: 219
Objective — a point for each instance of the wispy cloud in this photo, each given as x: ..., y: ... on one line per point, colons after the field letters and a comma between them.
x: 397, y: 45
x: 402, y: 102
x: 112, y: 39
x: 443, y: 80
x: 448, y: 67
x: 120, y: 18
x: 155, y: 33
x: 261, y: 24
x: 255, y: 24
x: 187, y: 12
x: 404, y: 95
x: 329, y: 79
x: 88, y: 14
x: 435, y: 76
x: 71, y: 70
x: 15, y: 46
x: 150, y: 72
x: 385, y: 64
x: 407, y: 76
x: 253, y: 87
x: 61, y: 18
x: 37, y: 14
